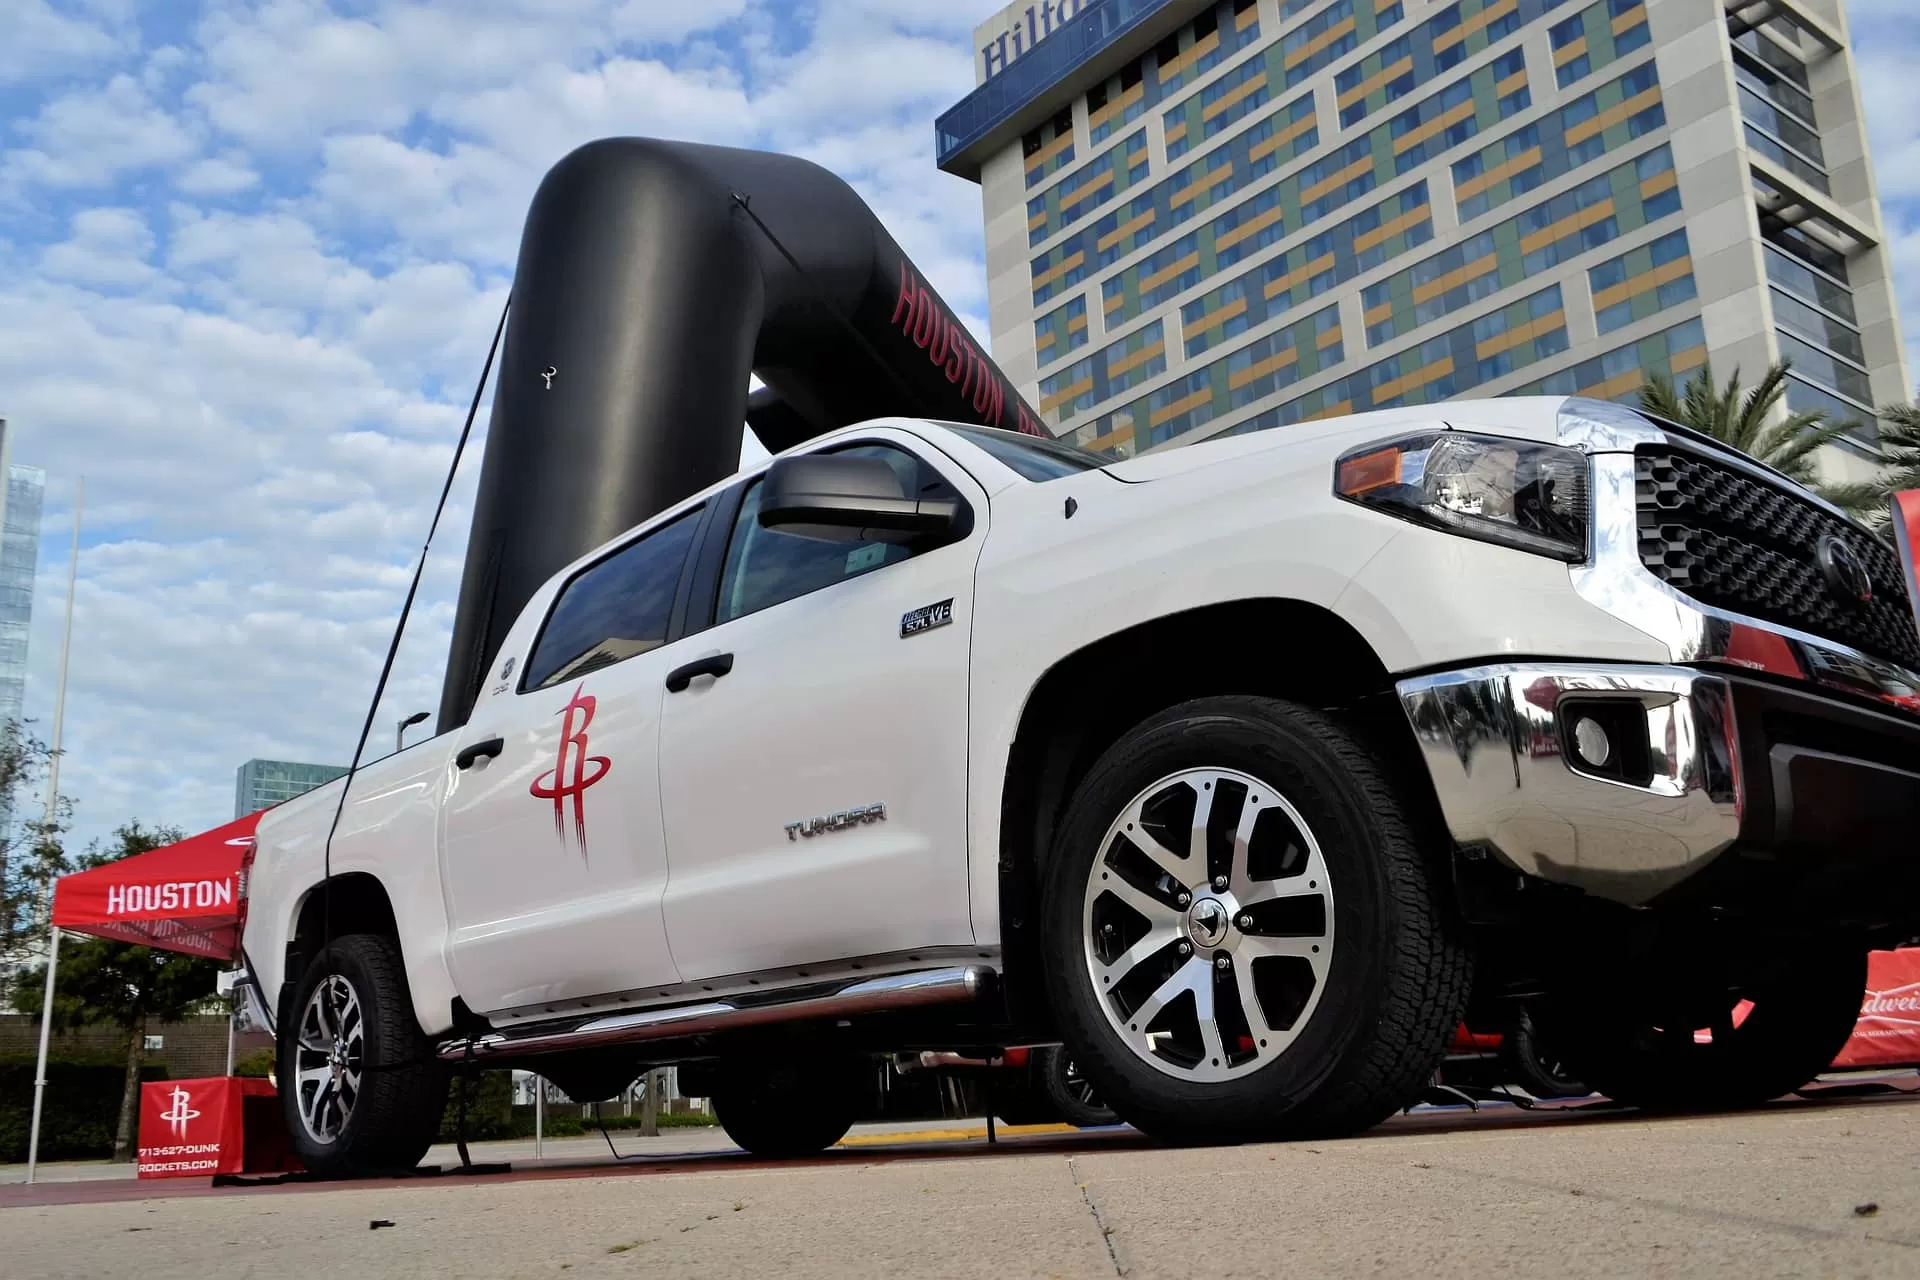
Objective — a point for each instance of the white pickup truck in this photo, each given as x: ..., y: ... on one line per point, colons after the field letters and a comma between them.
x: 1240, y: 770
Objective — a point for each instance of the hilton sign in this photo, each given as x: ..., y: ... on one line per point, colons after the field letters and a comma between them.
x: 1012, y: 33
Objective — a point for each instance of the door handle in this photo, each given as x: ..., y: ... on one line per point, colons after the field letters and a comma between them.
x: 490, y: 748
x: 715, y: 665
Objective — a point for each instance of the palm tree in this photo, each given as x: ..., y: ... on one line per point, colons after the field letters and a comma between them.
x: 1739, y: 419
x: 1899, y: 448
x: 1896, y: 450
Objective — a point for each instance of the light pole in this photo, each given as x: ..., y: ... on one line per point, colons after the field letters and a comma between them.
x: 400, y: 733
x: 66, y: 647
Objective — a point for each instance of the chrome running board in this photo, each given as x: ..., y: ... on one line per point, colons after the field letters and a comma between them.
x: 869, y: 995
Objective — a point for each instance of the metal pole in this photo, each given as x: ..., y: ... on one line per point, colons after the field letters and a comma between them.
x: 66, y: 646
x: 230, y: 1021
x: 539, y: 1113
x: 400, y: 732
x: 40, y: 1071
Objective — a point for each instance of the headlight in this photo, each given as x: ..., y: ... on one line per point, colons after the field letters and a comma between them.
x: 1514, y: 492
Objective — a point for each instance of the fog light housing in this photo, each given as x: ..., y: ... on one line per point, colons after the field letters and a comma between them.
x: 1607, y: 738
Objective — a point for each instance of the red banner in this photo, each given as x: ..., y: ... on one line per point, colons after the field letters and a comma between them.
x: 1906, y: 536
x: 1888, y: 1033
x: 189, y: 897
x: 197, y: 1128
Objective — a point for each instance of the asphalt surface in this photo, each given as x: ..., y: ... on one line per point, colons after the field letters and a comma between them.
x: 1822, y: 1187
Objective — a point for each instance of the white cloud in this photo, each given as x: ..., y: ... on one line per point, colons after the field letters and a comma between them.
x: 108, y: 248
x: 646, y: 21
x: 88, y: 137
x: 216, y: 176
x: 42, y: 43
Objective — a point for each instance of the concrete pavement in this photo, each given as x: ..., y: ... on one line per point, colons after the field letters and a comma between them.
x: 1779, y: 1192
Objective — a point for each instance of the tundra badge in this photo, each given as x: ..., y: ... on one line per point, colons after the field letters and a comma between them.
x: 840, y: 821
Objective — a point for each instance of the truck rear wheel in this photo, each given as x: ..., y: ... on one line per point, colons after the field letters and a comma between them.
x: 361, y: 1088
x: 1242, y: 933
x: 1733, y: 1048
x: 783, y: 1110
x: 1073, y: 1096
x: 1533, y: 1062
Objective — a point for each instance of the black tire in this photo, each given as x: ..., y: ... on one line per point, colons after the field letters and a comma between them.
x: 395, y: 1113
x: 1072, y: 1095
x: 783, y: 1110
x: 1394, y: 989
x: 1800, y: 1017
x: 1017, y: 1095
x: 1531, y: 1061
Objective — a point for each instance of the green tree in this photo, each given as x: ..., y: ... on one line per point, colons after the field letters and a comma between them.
x: 1896, y: 450
x: 104, y: 982
x: 31, y: 854
x: 1745, y: 419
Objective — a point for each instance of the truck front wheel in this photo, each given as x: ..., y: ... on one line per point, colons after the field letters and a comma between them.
x: 1242, y: 933
x: 361, y: 1088
x: 1724, y: 1049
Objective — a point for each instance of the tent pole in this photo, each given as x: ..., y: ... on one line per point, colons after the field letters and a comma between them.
x: 40, y: 1071
x: 230, y: 1022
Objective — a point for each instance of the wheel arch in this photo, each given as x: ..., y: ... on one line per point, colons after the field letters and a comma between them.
x: 352, y: 902
x: 1277, y: 647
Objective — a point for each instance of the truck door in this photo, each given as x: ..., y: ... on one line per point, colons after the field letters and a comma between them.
x: 815, y: 790
x: 554, y: 855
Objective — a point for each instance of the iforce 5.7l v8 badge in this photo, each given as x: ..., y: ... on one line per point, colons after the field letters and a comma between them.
x: 926, y: 618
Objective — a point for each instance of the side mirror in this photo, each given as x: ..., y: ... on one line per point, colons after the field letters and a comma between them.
x: 847, y: 498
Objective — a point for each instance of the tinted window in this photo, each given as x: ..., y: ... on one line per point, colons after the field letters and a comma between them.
x: 1029, y: 456
x: 615, y: 609
x: 765, y: 566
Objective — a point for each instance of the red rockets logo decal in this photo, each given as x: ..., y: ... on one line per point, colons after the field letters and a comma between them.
x: 574, y: 771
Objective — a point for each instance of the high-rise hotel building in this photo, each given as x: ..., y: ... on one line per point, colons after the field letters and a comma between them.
x: 1206, y: 217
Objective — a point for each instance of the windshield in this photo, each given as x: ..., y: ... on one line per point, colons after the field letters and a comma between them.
x: 1032, y: 457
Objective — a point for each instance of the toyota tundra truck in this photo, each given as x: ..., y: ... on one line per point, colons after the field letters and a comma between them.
x: 1246, y: 771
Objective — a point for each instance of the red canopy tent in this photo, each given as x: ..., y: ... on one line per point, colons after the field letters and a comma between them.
x: 190, y: 896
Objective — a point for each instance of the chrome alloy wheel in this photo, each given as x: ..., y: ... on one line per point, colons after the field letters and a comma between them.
x: 329, y: 1057
x: 1208, y: 924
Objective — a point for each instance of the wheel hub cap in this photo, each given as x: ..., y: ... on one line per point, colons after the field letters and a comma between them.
x: 1208, y: 924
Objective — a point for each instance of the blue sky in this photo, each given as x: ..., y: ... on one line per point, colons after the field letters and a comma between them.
x: 250, y: 257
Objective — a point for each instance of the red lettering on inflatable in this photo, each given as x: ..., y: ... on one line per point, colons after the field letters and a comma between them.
x: 923, y: 319
x: 908, y: 293
x: 942, y: 335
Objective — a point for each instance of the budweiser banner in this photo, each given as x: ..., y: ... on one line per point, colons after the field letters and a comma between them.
x: 197, y: 1128
x: 1888, y: 1033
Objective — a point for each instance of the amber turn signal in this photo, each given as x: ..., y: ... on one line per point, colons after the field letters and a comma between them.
x: 1368, y: 471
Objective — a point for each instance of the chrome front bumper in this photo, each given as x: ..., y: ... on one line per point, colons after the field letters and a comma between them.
x: 1758, y: 734
x: 1498, y: 743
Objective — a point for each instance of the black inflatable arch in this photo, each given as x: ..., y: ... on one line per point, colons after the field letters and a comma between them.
x: 653, y: 279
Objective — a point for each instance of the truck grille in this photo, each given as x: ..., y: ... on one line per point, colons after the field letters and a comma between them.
x: 1737, y: 543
